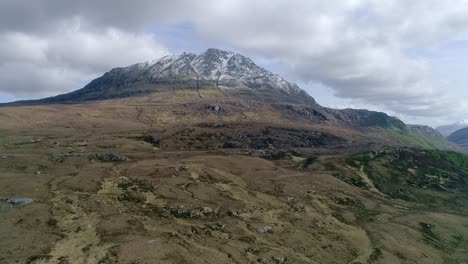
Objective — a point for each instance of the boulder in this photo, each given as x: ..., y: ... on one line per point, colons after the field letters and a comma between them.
x: 298, y: 206
x: 265, y: 229
x: 278, y: 260
x: 109, y: 157
x: 19, y: 200
x: 207, y: 210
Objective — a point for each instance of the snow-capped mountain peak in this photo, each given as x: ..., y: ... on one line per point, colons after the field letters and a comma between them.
x: 234, y: 74
x: 227, y: 69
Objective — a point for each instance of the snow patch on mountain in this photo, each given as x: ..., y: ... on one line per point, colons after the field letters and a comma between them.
x: 227, y: 69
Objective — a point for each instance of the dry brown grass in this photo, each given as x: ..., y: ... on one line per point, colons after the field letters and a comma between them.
x: 86, y: 211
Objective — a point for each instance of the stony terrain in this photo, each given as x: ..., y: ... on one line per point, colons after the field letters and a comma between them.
x: 184, y: 179
x: 178, y: 167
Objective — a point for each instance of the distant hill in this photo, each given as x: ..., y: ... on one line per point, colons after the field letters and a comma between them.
x: 446, y: 130
x: 460, y: 137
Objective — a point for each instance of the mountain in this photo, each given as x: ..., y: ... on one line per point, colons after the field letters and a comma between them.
x: 236, y: 77
x: 459, y: 137
x: 446, y: 130
x: 233, y: 73
x: 172, y: 162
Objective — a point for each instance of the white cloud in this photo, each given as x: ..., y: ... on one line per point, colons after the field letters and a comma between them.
x: 99, y: 51
x: 358, y: 48
x: 28, y: 80
x: 371, y: 52
x: 63, y: 60
x: 135, y: 16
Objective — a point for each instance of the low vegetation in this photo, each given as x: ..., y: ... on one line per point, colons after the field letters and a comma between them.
x: 139, y: 181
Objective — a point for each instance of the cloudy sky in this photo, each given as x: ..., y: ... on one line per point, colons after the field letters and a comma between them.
x: 407, y: 58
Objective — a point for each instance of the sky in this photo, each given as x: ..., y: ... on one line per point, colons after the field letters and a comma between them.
x: 406, y: 58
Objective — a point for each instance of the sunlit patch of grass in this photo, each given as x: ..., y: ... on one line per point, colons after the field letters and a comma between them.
x: 457, y: 159
x: 410, y: 138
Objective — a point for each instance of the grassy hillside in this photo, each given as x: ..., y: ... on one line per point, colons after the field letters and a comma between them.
x: 418, y: 139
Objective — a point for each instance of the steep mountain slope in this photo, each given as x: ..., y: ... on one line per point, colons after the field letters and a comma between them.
x: 460, y: 137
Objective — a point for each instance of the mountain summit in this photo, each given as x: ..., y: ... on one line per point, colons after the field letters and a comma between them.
x: 233, y: 73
